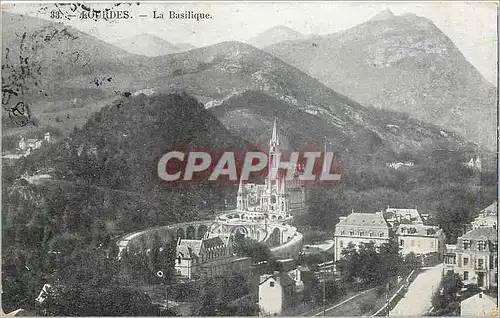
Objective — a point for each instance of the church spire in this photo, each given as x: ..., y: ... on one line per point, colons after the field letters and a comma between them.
x: 240, y: 187
x: 274, y: 138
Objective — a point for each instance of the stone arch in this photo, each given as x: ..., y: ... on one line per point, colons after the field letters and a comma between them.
x: 191, y: 232
x: 202, y: 230
x: 240, y: 230
x: 180, y: 233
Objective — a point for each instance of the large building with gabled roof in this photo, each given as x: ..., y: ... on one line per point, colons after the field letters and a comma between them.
x: 357, y: 228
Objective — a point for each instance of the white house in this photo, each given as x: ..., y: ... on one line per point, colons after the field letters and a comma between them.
x: 479, y: 305
x: 279, y: 291
x: 33, y: 143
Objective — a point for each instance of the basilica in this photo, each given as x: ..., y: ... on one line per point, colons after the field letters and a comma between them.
x: 277, y: 199
x: 264, y: 213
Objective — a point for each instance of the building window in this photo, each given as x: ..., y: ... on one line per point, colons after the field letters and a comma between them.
x: 466, y: 275
x: 480, y: 263
x: 449, y: 260
x: 481, y: 245
x: 466, y: 261
x: 341, y: 244
x: 371, y: 234
x: 351, y: 233
x: 401, y: 243
x: 381, y: 234
x: 342, y: 232
x: 361, y: 233
x: 271, y: 284
x: 466, y: 244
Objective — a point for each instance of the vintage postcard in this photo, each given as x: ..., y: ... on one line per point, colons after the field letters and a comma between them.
x: 249, y: 159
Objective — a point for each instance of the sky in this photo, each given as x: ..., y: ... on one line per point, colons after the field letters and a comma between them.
x: 471, y: 26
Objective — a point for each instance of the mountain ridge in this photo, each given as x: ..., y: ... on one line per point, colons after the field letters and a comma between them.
x: 406, y: 64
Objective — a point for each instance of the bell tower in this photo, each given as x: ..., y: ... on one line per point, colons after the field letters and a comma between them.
x: 242, y: 198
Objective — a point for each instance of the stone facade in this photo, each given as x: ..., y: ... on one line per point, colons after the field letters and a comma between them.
x: 475, y: 257
x: 207, y: 258
x: 421, y: 239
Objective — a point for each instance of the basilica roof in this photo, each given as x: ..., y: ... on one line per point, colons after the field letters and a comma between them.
x: 192, y: 248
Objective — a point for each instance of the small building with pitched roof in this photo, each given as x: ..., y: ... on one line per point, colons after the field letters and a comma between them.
x: 479, y: 305
x: 279, y: 291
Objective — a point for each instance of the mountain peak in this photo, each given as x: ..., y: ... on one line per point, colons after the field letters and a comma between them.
x: 275, y: 34
x: 283, y: 28
x: 383, y: 15
x: 146, y: 44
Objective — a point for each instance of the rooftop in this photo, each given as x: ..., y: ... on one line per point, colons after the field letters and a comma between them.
x: 481, y: 296
x: 212, y: 242
x: 482, y: 233
x: 363, y: 219
x: 419, y: 230
x: 489, y: 210
x: 413, y: 214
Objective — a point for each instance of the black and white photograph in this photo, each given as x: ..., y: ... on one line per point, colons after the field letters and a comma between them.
x: 250, y: 158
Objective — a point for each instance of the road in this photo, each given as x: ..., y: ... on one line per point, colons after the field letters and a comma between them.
x: 417, y: 300
x: 327, y: 310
